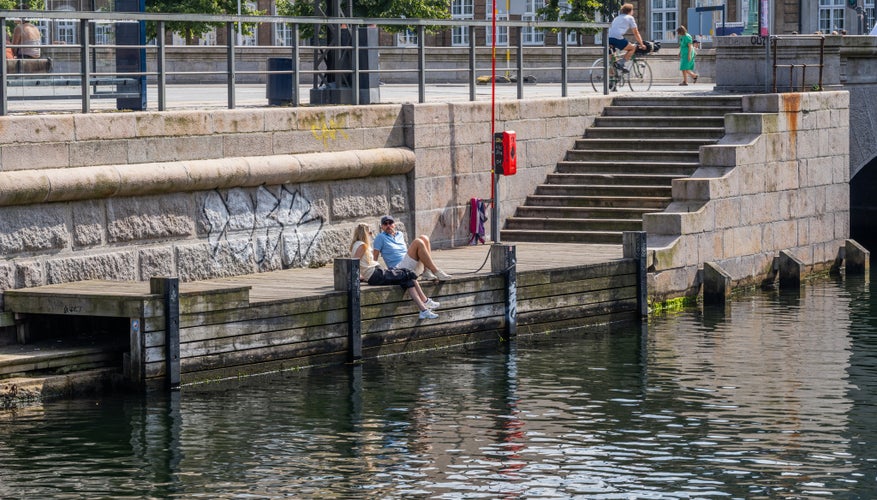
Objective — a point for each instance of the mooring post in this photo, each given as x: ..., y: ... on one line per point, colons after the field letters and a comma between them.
x: 634, y: 247
x: 503, y: 259
x: 857, y: 257
x: 346, y: 274
x: 169, y: 289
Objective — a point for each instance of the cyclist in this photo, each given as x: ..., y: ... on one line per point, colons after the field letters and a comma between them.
x: 621, y: 25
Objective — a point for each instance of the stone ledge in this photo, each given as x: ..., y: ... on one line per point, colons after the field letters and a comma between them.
x: 86, y: 183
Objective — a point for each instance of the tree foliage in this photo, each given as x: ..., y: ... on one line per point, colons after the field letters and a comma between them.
x: 191, y: 30
x: 579, y: 11
x: 413, y: 9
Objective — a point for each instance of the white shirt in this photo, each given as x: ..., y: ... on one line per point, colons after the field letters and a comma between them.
x: 621, y: 25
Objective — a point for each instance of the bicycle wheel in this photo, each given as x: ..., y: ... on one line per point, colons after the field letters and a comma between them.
x: 596, y: 75
x: 640, y: 76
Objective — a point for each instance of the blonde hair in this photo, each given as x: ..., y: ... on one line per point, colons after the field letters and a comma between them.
x: 362, y: 233
x: 627, y: 8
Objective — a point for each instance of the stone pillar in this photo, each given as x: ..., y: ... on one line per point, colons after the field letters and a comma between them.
x: 857, y: 258
x: 790, y: 270
x: 716, y: 284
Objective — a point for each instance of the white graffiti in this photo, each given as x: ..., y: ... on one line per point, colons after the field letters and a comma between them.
x: 263, y: 227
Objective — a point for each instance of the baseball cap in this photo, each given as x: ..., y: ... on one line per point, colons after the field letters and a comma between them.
x: 387, y: 218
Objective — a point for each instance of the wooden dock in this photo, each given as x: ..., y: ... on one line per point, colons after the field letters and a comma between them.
x: 296, y: 317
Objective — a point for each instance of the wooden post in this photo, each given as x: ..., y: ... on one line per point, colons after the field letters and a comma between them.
x: 169, y: 289
x: 346, y: 274
x: 634, y: 247
x: 134, y: 360
x: 503, y: 259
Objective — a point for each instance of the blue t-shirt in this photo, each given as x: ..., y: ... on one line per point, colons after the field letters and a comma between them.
x: 392, y: 248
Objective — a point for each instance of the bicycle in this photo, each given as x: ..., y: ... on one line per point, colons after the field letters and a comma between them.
x: 639, y: 79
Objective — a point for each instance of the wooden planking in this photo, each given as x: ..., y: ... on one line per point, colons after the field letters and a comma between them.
x: 6, y: 319
x: 583, y: 287
x: 291, y: 363
x: 78, y: 304
x: 580, y: 311
x: 234, y: 362
x: 453, y: 319
x: 564, y: 274
x: 276, y: 338
x: 426, y: 337
x: 556, y: 324
x: 334, y: 300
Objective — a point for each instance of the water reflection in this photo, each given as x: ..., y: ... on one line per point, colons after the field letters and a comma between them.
x: 771, y: 397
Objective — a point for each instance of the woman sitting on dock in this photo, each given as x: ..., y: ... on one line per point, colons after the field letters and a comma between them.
x: 371, y: 272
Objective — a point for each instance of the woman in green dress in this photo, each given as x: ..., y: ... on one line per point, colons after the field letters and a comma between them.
x: 687, y: 54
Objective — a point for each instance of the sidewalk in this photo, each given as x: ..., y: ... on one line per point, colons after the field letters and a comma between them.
x: 179, y: 97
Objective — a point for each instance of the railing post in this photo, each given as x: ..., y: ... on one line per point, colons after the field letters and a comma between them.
x: 229, y: 32
x: 606, y: 62
x: 472, y: 70
x: 421, y: 64
x: 564, y: 64
x: 160, y: 67
x: 85, y: 65
x: 519, y: 62
x: 296, y: 57
x: 3, y: 101
x: 355, y: 63
x: 346, y: 277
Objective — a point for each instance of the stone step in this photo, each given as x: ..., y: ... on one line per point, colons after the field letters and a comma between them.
x: 659, y: 122
x: 734, y: 103
x: 548, y: 224
x: 643, y: 143
x: 606, y: 178
x: 654, y: 202
x: 710, y: 133
x: 592, y: 237
x: 639, y: 155
x: 682, y: 169
x: 564, y: 212
x: 658, y: 110
x: 57, y: 357
x: 633, y: 192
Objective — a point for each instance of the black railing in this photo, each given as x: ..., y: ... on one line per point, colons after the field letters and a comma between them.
x: 97, y: 77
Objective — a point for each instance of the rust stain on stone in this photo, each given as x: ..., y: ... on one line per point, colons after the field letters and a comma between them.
x: 791, y: 107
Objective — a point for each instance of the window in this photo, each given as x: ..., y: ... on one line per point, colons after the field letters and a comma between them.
x: 283, y: 34
x: 571, y: 35
x: 831, y: 15
x: 461, y: 9
x: 869, y: 10
x: 407, y: 39
x: 103, y: 33
x: 245, y: 39
x: 663, y: 20
x: 532, y: 36
x: 502, y: 32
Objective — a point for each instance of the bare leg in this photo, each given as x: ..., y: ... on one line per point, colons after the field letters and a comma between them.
x: 416, y: 298
x: 419, y: 250
x: 419, y: 291
x: 629, y: 50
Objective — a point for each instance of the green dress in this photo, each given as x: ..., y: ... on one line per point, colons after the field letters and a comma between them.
x: 684, y: 47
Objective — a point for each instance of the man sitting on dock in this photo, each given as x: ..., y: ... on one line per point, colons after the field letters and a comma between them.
x: 396, y: 253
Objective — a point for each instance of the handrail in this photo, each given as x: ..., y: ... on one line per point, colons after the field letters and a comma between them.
x: 231, y: 71
x: 775, y: 38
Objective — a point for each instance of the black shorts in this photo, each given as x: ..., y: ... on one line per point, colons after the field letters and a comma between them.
x: 393, y: 276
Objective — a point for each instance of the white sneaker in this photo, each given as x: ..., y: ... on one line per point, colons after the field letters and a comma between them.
x: 431, y: 304
x: 427, y: 314
x: 427, y: 275
x: 442, y: 276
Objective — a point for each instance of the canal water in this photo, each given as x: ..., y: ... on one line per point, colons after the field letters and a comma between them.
x: 774, y: 396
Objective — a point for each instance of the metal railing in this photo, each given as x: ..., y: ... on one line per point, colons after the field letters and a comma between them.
x: 90, y: 75
x: 774, y: 40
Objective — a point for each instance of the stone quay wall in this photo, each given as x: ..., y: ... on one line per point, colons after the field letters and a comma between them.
x: 203, y: 194
x: 779, y: 180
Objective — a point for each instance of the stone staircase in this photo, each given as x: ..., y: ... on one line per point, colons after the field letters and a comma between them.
x: 622, y: 168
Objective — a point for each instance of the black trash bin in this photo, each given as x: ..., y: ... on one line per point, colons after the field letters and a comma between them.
x: 280, y: 89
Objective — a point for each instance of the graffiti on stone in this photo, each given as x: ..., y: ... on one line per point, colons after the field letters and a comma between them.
x: 263, y: 227
x: 329, y: 130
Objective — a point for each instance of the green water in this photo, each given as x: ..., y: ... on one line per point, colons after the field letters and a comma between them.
x: 773, y: 397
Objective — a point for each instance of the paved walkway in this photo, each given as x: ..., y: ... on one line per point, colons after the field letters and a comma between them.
x: 254, y: 95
